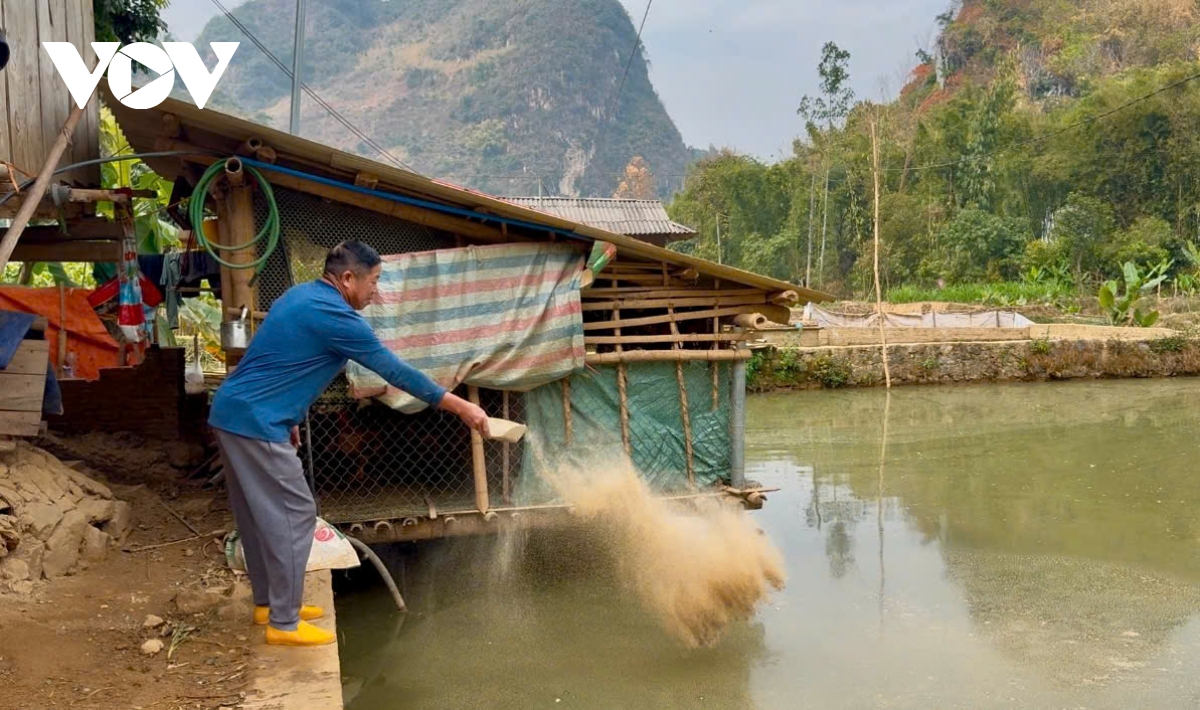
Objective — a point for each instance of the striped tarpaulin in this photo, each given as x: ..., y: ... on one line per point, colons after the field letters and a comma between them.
x: 504, y: 316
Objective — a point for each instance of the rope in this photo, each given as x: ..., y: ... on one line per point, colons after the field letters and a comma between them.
x: 270, y: 230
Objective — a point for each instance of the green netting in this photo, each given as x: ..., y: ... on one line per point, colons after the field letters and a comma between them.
x: 656, y: 432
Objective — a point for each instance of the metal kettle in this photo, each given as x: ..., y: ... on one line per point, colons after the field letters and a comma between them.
x: 235, y: 334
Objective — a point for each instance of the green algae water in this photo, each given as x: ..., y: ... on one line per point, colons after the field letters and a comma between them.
x: 1009, y: 546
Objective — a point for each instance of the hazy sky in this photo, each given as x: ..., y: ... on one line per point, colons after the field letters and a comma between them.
x: 731, y: 72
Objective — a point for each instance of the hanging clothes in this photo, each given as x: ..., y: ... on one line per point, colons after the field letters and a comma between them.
x: 171, y: 276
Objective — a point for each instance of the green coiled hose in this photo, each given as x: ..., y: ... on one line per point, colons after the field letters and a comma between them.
x: 269, y: 231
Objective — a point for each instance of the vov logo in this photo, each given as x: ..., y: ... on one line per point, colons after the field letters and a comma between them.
x: 166, y: 60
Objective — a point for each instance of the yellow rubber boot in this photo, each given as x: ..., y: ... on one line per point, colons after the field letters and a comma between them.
x: 305, y: 635
x: 262, y: 614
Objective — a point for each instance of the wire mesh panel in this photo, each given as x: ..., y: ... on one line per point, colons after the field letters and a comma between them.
x: 310, y: 226
x: 369, y: 462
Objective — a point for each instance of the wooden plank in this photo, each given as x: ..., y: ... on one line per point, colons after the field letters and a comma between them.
x: 629, y: 356
x: 30, y: 359
x: 91, y: 251
x: 91, y: 118
x: 92, y: 229
x: 24, y: 97
x: 75, y: 35
x: 5, y: 140
x: 21, y: 423
x: 899, y: 336
x: 711, y: 301
x: 56, y: 99
x: 21, y: 393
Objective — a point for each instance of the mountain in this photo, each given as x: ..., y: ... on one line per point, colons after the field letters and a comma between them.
x: 490, y: 94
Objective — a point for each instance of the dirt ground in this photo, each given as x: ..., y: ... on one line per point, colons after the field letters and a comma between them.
x: 76, y: 642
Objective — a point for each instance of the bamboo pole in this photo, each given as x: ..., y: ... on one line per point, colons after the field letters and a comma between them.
x: 659, y: 292
x: 668, y: 356
x: 33, y: 198
x: 677, y: 302
x: 241, y: 229
x: 62, y: 328
x: 685, y: 414
x: 887, y: 373
x: 506, y: 449
x: 776, y: 314
x: 647, y: 339
x: 716, y: 368
x: 479, y: 464
x: 622, y: 383
x: 566, y: 402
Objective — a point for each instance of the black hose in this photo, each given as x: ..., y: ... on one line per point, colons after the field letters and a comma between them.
x: 368, y: 553
x: 99, y: 161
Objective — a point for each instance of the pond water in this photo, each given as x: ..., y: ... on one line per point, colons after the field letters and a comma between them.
x: 1009, y: 546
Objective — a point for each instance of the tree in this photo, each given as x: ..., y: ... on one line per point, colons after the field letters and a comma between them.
x: 982, y: 245
x: 1083, y: 224
x: 831, y: 107
x: 128, y: 21
x: 638, y: 182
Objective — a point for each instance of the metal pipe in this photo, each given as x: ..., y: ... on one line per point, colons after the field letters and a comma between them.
x: 311, y: 472
x: 297, y: 67
x: 370, y: 555
x: 737, y: 426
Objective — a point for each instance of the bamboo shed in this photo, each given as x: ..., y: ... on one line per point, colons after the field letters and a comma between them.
x: 653, y: 363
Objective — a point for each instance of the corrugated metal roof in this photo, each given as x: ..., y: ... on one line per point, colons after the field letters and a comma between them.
x: 225, y: 134
x: 629, y: 217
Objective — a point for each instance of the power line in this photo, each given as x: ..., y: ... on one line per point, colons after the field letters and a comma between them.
x: 632, y: 54
x: 313, y: 94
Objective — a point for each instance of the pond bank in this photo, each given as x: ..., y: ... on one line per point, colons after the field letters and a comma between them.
x: 780, y: 367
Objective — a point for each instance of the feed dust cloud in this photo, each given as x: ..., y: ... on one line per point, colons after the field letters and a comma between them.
x: 696, y: 568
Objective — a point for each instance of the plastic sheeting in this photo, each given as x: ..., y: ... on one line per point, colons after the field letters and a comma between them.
x: 984, y: 319
x: 87, y: 337
x: 656, y: 430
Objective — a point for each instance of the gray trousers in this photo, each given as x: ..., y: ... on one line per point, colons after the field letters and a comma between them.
x: 275, y: 514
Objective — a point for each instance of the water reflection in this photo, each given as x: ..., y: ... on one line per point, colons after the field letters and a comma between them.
x: 1000, y: 547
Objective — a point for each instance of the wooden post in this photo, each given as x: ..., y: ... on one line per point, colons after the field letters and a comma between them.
x: 566, y: 399
x: 622, y: 382
x: 239, y: 203
x: 62, y: 329
x: 887, y: 373
x: 716, y: 368
x: 477, y: 459
x: 683, y: 398
x: 506, y: 448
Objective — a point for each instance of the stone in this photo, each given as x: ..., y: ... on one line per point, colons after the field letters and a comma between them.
x: 88, y: 485
x: 152, y: 622
x: 152, y: 647
x: 195, y: 601
x: 40, y: 519
x: 232, y: 611
x: 30, y: 551
x: 97, y: 510
x: 23, y: 587
x: 120, y: 522
x: 95, y: 544
x: 13, y: 569
x: 62, y: 548
x: 10, y: 534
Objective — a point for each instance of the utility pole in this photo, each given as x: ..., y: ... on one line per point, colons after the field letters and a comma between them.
x: 297, y: 64
x: 720, y: 251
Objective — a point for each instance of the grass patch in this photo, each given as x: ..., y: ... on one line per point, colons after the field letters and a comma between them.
x: 1006, y: 293
x: 1041, y: 346
x: 1169, y: 344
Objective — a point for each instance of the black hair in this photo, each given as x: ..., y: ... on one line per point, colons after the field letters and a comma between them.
x: 351, y: 256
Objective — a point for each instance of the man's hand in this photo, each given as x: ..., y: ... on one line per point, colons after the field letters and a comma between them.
x: 296, y: 437
x: 471, y: 414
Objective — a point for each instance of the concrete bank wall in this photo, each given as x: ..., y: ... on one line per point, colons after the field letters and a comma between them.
x: 1029, y: 360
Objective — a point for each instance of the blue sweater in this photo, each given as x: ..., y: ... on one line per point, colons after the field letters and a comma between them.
x: 304, y: 342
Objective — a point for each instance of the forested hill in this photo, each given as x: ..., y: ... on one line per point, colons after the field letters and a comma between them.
x: 491, y: 94
x: 1044, y: 141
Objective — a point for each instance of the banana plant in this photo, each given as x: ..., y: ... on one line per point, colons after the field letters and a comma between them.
x: 1123, y: 308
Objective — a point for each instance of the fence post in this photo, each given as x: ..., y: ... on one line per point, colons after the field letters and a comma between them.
x: 477, y: 460
x: 737, y: 425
